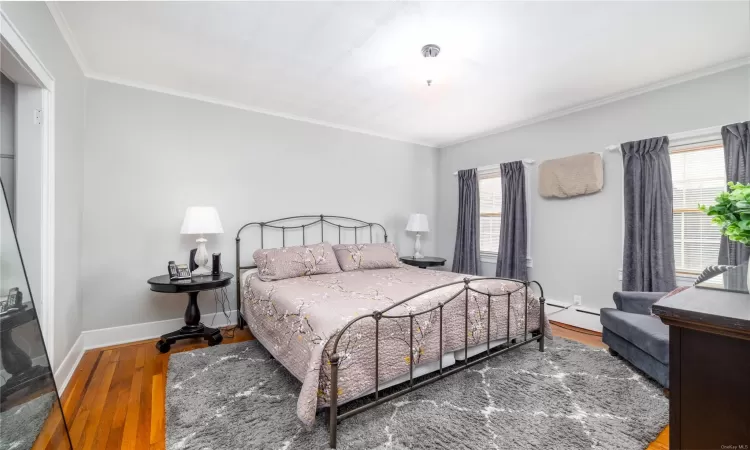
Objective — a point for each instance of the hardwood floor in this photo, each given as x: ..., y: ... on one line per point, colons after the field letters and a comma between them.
x: 115, y: 399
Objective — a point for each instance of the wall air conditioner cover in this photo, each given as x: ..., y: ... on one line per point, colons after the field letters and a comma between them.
x: 571, y: 176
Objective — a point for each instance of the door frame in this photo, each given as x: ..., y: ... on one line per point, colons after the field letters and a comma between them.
x: 12, y: 40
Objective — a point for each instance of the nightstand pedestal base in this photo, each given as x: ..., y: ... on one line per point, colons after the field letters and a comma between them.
x: 193, y: 328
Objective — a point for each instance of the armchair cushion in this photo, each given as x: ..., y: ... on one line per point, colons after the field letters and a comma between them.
x: 636, y: 302
x: 646, y: 332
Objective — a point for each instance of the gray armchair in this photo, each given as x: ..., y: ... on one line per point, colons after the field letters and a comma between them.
x: 633, y: 333
x: 642, y: 339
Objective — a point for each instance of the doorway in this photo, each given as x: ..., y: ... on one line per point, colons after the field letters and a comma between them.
x: 27, y: 170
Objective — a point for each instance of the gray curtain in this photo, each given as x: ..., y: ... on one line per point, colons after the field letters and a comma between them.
x: 737, y: 160
x: 511, y: 254
x: 466, y: 253
x: 648, y: 252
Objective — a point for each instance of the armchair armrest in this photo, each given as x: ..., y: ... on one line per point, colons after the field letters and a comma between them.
x: 636, y: 302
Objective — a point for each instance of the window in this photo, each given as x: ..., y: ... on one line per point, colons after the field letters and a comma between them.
x: 490, y: 201
x: 698, y: 176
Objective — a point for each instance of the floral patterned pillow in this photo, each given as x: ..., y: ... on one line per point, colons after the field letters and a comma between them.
x: 366, y: 256
x: 291, y: 262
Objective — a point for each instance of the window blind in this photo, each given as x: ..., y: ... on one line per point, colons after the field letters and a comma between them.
x: 698, y: 176
x: 490, y: 202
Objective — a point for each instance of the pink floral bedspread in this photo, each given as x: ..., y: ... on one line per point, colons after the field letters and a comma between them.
x: 296, y: 319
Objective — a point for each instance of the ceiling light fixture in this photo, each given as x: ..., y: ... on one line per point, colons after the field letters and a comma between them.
x: 430, y: 52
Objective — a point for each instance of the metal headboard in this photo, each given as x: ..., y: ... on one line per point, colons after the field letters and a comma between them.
x: 278, y: 224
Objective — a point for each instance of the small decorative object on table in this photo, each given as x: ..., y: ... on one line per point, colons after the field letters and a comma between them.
x: 731, y: 213
x: 13, y: 302
x: 216, y: 264
x: 178, y: 272
x: 418, y: 224
x: 423, y: 262
x: 201, y: 220
x: 193, y: 327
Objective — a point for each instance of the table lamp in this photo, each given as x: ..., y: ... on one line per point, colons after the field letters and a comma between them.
x: 418, y: 224
x: 201, y: 220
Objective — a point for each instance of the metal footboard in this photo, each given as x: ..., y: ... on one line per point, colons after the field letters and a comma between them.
x: 334, y: 418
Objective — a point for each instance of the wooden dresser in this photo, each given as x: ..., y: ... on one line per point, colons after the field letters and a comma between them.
x: 709, y: 364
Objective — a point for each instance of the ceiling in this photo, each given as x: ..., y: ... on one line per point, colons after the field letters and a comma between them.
x: 358, y: 65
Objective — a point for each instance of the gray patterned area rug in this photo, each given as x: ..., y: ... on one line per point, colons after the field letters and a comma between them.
x: 570, y: 397
x: 20, y: 425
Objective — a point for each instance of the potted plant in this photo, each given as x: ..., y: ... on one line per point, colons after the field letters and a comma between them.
x: 732, y: 213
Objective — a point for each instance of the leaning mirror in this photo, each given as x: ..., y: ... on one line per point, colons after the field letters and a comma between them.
x: 30, y: 411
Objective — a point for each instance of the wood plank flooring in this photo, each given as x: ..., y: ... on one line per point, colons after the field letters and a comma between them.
x: 115, y: 399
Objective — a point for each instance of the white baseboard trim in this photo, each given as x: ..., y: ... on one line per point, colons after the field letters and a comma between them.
x: 577, y: 316
x: 104, y: 337
x: 67, y: 368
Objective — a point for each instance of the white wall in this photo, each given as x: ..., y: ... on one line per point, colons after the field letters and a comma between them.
x: 577, y: 243
x: 150, y: 155
x: 37, y: 27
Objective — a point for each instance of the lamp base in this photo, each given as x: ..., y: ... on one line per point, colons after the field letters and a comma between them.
x: 201, y: 271
x: 201, y: 258
x: 418, y: 248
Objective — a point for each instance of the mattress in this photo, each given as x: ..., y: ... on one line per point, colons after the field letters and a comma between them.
x: 296, y: 318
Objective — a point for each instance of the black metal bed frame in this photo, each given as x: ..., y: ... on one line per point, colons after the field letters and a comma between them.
x: 511, y: 342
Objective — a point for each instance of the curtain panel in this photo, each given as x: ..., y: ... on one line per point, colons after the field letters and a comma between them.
x: 736, y: 140
x: 466, y: 252
x: 511, y: 253
x: 648, y: 251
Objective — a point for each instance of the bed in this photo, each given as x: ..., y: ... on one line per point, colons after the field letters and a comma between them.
x: 334, y: 332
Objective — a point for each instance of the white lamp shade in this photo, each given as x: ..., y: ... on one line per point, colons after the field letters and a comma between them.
x: 417, y: 223
x: 201, y: 220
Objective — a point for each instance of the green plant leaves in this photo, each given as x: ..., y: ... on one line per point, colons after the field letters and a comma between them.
x: 731, y: 213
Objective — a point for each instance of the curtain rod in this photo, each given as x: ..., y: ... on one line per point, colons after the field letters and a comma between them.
x: 526, y: 162
x: 617, y: 147
x: 685, y: 135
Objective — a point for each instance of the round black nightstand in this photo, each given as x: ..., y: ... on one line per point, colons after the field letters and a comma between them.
x: 424, y: 262
x: 193, y: 327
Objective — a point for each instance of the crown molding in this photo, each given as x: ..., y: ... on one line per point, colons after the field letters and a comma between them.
x: 67, y: 33
x: 728, y: 65
x: 244, y: 107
